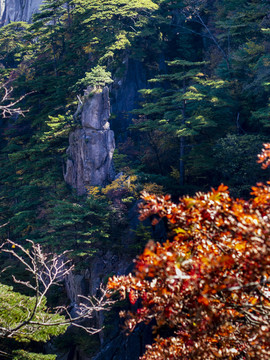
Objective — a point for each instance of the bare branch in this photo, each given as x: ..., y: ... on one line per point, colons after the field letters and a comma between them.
x: 213, y: 38
x: 4, y: 225
x: 8, y: 106
x: 47, y: 270
x: 192, y: 13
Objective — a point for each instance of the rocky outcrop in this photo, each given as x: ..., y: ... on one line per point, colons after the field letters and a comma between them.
x: 114, y: 344
x: 125, y: 93
x: 91, y: 147
x: 18, y: 10
x: 88, y: 282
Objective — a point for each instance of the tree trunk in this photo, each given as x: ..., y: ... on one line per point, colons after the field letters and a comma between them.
x: 182, y: 141
x: 181, y: 161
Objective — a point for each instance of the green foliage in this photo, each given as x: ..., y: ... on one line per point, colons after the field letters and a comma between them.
x: 229, y: 153
x: 97, y: 78
x: 15, y: 309
x: 62, y: 49
x: 24, y: 355
x: 183, y: 109
x: 185, y: 106
x: 120, y: 161
x: 84, y: 226
x: 143, y: 234
x: 117, y: 198
x: 14, y: 47
x: 78, y: 338
x: 112, y: 25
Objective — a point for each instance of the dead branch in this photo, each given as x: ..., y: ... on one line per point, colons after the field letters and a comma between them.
x: 47, y: 270
x: 8, y: 106
x: 192, y: 13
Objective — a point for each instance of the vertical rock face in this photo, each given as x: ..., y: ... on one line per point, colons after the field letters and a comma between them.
x: 18, y: 10
x: 125, y: 93
x: 91, y: 147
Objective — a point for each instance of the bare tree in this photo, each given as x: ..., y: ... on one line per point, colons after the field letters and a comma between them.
x: 8, y: 105
x: 47, y: 270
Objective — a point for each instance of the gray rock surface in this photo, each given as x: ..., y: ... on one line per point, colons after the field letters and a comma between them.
x: 91, y: 147
x: 18, y: 10
x: 88, y: 283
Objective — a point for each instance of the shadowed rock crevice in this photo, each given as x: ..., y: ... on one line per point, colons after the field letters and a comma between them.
x: 91, y: 147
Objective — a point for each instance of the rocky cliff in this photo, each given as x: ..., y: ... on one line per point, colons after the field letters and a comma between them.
x: 17, y: 10
x: 92, y: 145
x: 125, y: 96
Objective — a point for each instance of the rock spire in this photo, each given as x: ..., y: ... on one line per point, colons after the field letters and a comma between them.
x: 91, y: 146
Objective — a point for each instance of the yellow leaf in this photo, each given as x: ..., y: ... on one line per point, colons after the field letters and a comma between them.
x: 240, y: 246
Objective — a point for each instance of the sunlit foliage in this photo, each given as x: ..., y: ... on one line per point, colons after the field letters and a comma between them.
x: 208, y: 288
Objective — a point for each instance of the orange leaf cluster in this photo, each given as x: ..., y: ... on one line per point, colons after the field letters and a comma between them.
x: 210, y: 285
x: 264, y: 157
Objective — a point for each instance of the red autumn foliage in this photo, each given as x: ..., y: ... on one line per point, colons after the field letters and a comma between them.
x: 211, y: 285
